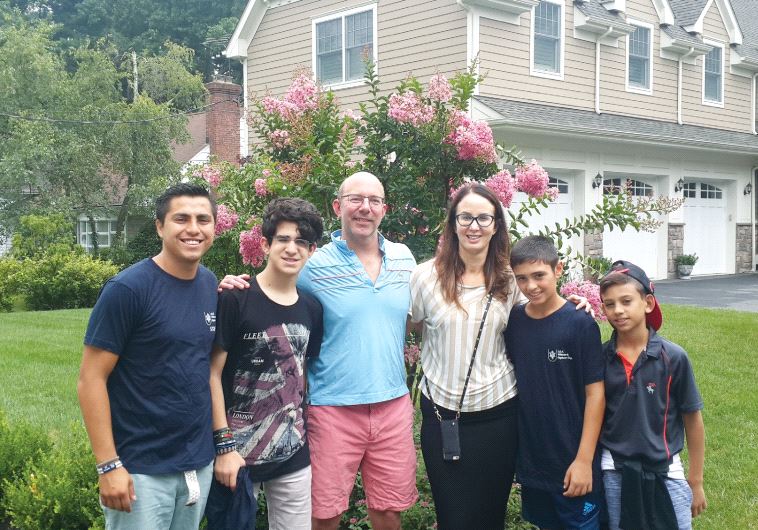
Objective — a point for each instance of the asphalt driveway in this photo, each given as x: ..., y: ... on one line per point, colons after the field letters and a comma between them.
x: 739, y: 291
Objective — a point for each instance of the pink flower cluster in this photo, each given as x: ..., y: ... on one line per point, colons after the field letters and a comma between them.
x: 261, y: 187
x: 280, y: 138
x: 250, y: 247
x: 532, y: 179
x: 226, y: 219
x: 472, y: 139
x: 408, y: 108
x: 439, y: 89
x: 412, y: 354
x: 212, y: 175
x: 503, y: 185
x: 301, y: 95
x: 589, y: 290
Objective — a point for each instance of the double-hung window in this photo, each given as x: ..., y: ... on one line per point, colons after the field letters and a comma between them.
x: 341, y: 43
x: 547, y: 39
x: 713, y: 76
x: 639, y: 76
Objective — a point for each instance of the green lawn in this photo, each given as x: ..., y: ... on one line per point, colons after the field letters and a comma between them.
x: 39, y: 359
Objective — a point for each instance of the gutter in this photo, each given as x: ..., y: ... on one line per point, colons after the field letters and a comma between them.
x: 679, y: 85
x: 755, y: 78
x: 597, y: 68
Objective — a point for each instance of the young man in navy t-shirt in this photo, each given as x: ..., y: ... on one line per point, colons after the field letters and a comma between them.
x: 557, y: 354
x: 265, y: 336
x: 144, y: 379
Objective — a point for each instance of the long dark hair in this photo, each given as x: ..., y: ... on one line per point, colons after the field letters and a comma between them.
x: 448, y: 262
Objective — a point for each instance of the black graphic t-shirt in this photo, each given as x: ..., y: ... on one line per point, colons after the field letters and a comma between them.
x: 264, y: 379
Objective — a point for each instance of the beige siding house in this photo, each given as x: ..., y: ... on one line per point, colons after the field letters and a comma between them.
x: 661, y: 93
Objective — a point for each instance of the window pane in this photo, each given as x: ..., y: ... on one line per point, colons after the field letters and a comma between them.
x: 359, y: 38
x: 713, y: 75
x: 546, y: 51
x: 547, y: 20
x: 329, y: 51
x: 638, y: 72
x: 713, y: 61
x: 639, y: 42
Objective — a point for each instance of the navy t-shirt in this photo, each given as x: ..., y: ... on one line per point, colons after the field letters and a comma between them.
x: 162, y: 329
x: 555, y: 358
x: 263, y: 378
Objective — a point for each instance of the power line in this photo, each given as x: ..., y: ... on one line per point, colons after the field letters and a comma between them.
x: 197, y: 110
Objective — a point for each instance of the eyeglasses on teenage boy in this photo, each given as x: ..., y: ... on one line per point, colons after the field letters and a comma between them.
x: 299, y: 242
x: 354, y: 199
x: 483, y: 219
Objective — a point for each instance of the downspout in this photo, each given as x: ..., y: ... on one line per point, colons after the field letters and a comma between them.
x: 679, y: 85
x: 754, y: 180
x: 597, y: 68
x: 755, y: 78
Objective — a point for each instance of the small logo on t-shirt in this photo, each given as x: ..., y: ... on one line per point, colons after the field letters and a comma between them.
x: 210, y: 320
x: 650, y: 388
x: 558, y: 355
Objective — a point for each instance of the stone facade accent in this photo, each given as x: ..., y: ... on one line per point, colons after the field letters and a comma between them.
x: 593, y: 244
x: 223, y: 126
x: 744, y: 254
x: 675, y: 247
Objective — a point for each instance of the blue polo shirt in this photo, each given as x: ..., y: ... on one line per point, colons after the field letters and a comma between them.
x: 643, y: 417
x: 361, y: 359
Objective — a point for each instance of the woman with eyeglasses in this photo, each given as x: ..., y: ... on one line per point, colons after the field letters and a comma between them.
x: 462, y: 299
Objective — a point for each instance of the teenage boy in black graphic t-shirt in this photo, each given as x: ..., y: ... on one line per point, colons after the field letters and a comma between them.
x: 264, y: 336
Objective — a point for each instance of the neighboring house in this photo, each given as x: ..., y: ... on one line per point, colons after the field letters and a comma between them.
x: 214, y: 132
x: 656, y: 94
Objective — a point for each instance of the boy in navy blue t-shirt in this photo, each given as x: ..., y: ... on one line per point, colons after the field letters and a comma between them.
x: 557, y: 355
x: 652, y: 400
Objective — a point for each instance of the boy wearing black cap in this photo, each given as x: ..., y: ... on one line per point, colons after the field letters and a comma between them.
x: 651, y: 401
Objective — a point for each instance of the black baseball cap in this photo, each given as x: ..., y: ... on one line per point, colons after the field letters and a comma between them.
x: 655, y: 317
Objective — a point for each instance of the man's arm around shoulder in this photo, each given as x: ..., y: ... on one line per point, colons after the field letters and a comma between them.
x: 116, y: 486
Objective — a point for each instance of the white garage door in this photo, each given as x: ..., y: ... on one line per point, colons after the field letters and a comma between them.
x: 640, y: 248
x: 705, y: 226
x: 557, y: 212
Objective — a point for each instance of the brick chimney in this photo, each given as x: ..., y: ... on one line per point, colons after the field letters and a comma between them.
x: 223, y: 122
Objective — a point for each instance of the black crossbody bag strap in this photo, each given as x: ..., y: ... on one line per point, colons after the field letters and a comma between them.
x: 470, y: 366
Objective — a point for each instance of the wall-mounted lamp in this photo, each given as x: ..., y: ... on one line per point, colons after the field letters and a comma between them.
x: 748, y: 189
x: 597, y: 181
x: 679, y: 186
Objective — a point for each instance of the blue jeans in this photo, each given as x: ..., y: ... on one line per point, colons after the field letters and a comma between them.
x: 679, y: 490
x: 160, y: 503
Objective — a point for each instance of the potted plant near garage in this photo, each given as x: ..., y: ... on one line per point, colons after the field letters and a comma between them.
x: 684, y: 264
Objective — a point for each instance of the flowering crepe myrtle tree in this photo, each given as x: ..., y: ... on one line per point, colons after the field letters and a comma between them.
x: 420, y: 142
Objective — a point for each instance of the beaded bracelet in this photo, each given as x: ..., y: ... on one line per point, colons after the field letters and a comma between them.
x: 108, y: 466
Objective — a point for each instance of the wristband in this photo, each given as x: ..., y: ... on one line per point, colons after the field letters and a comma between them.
x: 108, y: 466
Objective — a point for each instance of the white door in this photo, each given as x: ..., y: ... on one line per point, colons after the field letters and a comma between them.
x: 556, y: 212
x: 641, y: 248
x: 705, y: 226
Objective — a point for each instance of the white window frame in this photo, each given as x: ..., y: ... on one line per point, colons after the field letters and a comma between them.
x: 87, y: 233
x: 562, y: 45
x: 341, y: 15
x: 711, y: 102
x: 651, y: 31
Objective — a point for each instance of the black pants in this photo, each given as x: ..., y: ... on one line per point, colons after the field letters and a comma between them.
x: 473, y: 491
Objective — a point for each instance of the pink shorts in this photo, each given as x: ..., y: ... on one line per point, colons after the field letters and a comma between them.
x: 378, y: 439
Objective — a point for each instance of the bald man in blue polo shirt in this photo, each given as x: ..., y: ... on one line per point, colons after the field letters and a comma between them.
x: 360, y: 415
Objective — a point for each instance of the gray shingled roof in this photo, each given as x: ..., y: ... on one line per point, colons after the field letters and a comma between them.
x: 746, y: 12
x: 595, y: 10
x: 687, y: 12
x: 678, y: 33
x: 538, y: 116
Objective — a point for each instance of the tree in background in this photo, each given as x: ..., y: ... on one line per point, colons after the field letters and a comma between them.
x: 69, y: 138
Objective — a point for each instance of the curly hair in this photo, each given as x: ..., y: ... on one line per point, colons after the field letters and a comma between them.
x: 449, y: 265
x: 299, y: 211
